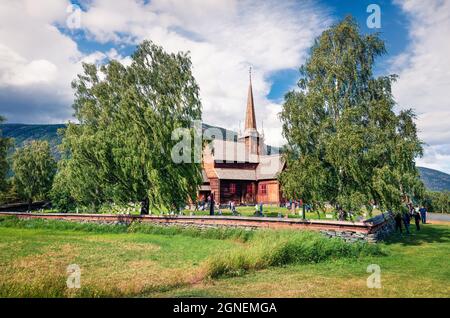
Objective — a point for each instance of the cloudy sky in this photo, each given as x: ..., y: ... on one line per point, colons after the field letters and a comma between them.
x: 43, y: 43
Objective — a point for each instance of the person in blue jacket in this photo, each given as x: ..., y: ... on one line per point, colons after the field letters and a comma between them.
x: 423, y: 214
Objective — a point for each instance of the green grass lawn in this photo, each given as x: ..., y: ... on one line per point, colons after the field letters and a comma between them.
x: 164, y: 263
x: 415, y: 266
x: 268, y: 211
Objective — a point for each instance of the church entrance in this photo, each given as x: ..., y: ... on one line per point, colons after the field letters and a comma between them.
x: 239, y: 191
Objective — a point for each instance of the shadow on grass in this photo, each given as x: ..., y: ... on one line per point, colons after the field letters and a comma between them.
x: 428, y: 234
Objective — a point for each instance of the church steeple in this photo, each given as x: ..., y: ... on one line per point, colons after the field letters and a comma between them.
x: 250, y: 119
x: 252, y: 139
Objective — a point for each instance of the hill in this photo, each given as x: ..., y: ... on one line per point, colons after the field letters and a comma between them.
x: 435, y: 180
x: 23, y: 134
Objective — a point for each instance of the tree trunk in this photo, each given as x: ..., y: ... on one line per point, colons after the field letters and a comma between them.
x: 30, y: 202
x: 145, y: 206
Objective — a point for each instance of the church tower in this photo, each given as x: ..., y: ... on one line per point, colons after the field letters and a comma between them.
x: 251, y: 137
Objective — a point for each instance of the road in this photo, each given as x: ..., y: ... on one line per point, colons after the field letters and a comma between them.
x: 438, y: 217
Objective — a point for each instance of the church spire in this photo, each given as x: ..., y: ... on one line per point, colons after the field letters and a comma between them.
x: 250, y: 120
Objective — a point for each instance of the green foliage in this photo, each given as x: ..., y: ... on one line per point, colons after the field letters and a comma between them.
x: 211, y: 233
x: 438, y: 202
x: 56, y: 225
x: 135, y: 227
x: 34, y: 168
x: 62, y: 191
x: 10, y: 194
x: 5, y: 144
x: 121, y: 149
x: 346, y: 146
x: 279, y: 248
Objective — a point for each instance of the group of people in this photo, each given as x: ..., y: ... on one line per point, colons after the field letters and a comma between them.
x: 295, y: 204
x: 232, y: 206
x: 208, y: 204
x: 416, y: 213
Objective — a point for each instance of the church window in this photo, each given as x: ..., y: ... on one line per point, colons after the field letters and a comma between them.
x: 263, y: 189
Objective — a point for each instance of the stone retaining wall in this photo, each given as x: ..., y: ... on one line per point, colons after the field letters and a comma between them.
x: 379, y: 227
x: 371, y: 230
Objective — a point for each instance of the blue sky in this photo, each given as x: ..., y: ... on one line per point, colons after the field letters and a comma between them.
x: 43, y: 43
x: 394, y: 30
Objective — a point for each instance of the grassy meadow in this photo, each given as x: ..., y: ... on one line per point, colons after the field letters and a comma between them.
x: 149, y: 261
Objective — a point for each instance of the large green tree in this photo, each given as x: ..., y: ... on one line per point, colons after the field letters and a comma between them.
x: 5, y: 144
x: 346, y: 145
x: 34, y: 168
x: 120, y: 150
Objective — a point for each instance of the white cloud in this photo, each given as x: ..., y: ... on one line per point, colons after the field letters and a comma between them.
x: 424, y: 81
x: 17, y: 71
x: 224, y: 39
x: 38, y: 62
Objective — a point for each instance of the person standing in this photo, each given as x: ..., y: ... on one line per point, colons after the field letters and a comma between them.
x: 407, y: 221
x: 423, y: 214
x: 417, y: 220
x: 261, y: 209
x: 211, y: 205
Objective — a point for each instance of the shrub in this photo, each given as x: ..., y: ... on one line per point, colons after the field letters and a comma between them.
x: 279, y: 248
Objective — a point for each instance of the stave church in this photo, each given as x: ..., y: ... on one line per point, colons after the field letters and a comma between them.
x: 242, y: 169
